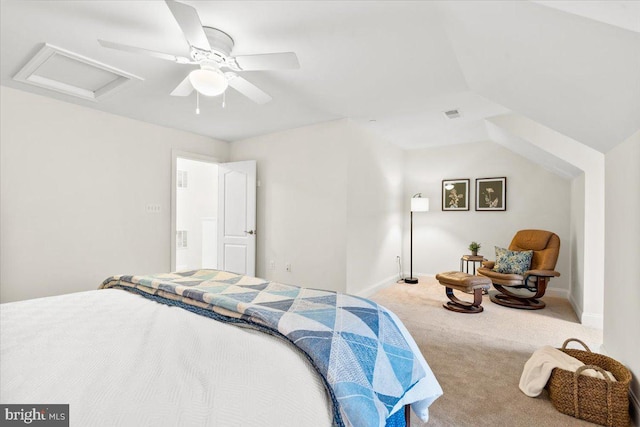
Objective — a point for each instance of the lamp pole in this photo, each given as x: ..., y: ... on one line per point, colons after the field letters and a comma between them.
x: 412, y: 280
x: 418, y: 204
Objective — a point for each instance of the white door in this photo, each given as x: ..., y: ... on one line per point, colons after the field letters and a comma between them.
x: 237, y: 217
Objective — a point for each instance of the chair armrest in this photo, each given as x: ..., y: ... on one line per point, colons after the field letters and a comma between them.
x: 488, y: 264
x: 541, y: 273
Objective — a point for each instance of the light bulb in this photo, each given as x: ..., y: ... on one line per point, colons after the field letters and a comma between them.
x: 208, y: 81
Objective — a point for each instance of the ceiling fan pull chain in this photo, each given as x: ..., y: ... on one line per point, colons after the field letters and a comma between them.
x: 197, y: 102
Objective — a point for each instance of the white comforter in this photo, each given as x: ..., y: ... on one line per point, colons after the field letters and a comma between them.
x: 120, y: 360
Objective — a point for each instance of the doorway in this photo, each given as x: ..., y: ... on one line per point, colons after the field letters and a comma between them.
x: 213, y: 214
x: 196, y: 214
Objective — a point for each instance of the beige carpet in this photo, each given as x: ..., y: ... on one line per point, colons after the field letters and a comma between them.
x: 478, y: 358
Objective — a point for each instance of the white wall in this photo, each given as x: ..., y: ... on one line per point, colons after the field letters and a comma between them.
x: 536, y: 198
x: 577, y: 244
x: 591, y: 162
x: 622, y: 292
x: 328, y: 204
x: 374, y: 211
x: 301, y: 210
x: 74, y: 186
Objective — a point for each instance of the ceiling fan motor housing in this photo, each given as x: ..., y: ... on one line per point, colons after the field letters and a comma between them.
x: 221, y: 44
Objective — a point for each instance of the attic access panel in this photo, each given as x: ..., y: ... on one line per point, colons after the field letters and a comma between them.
x: 58, y: 69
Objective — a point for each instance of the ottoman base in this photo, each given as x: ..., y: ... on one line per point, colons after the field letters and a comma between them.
x: 467, y: 283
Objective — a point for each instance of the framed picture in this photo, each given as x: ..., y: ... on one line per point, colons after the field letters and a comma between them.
x: 455, y: 194
x: 491, y: 194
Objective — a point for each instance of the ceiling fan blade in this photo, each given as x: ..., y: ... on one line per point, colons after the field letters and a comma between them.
x: 189, y: 22
x: 133, y: 49
x: 249, y: 90
x: 268, y: 61
x: 184, y: 88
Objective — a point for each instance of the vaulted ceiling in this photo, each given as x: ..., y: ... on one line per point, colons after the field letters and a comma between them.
x: 393, y: 66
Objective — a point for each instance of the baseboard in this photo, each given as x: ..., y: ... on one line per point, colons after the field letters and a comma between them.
x: 576, y: 308
x: 592, y: 320
x: 367, y: 292
x: 602, y: 350
x: 551, y: 291
x: 425, y: 275
x: 557, y: 292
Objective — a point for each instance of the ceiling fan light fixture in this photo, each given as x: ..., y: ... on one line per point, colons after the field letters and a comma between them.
x: 208, y: 81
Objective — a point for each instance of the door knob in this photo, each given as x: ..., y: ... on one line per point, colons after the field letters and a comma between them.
x: 250, y: 232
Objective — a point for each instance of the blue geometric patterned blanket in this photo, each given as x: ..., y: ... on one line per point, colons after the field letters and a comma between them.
x: 369, y: 363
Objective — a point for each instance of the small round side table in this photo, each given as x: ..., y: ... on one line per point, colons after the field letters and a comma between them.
x: 473, y: 259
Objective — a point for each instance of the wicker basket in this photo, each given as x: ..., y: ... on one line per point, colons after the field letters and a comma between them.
x: 604, y: 402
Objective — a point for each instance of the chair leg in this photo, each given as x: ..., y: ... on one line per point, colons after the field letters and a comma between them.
x: 460, y: 306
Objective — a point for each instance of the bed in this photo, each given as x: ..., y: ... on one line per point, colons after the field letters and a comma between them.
x: 206, y: 348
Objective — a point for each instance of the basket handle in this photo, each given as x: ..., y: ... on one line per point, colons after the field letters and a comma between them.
x: 564, y: 345
x: 576, y: 374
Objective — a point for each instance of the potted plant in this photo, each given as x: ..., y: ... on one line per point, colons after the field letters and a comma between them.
x: 473, y: 247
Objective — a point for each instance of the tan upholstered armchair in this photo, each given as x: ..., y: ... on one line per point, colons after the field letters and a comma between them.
x: 524, y: 290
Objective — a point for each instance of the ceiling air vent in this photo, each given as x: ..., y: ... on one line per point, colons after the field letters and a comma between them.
x: 452, y: 114
x: 72, y: 74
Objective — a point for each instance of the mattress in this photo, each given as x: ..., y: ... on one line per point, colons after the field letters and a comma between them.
x: 369, y: 362
x: 120, y: 360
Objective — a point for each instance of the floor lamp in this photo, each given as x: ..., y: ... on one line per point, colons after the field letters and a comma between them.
x: 418, y: 204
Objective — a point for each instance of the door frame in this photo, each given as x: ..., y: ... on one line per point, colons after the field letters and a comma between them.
x: 174, y: 173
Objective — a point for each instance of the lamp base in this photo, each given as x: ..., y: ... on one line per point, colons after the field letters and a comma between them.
x: 411, y: 280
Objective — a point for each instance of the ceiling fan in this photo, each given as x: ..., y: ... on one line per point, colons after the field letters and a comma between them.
x: 211, y: 48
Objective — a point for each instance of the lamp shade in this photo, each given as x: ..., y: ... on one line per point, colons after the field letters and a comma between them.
x: 419, y: 204
x: 208, y: 81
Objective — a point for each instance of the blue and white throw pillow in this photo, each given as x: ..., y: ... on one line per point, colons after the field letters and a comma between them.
x: 512, y: 262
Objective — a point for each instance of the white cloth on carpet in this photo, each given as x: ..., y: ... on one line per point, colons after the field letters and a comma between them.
x: 538, y: 369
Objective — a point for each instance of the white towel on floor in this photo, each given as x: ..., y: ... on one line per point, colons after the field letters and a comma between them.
x: 538, y: 369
